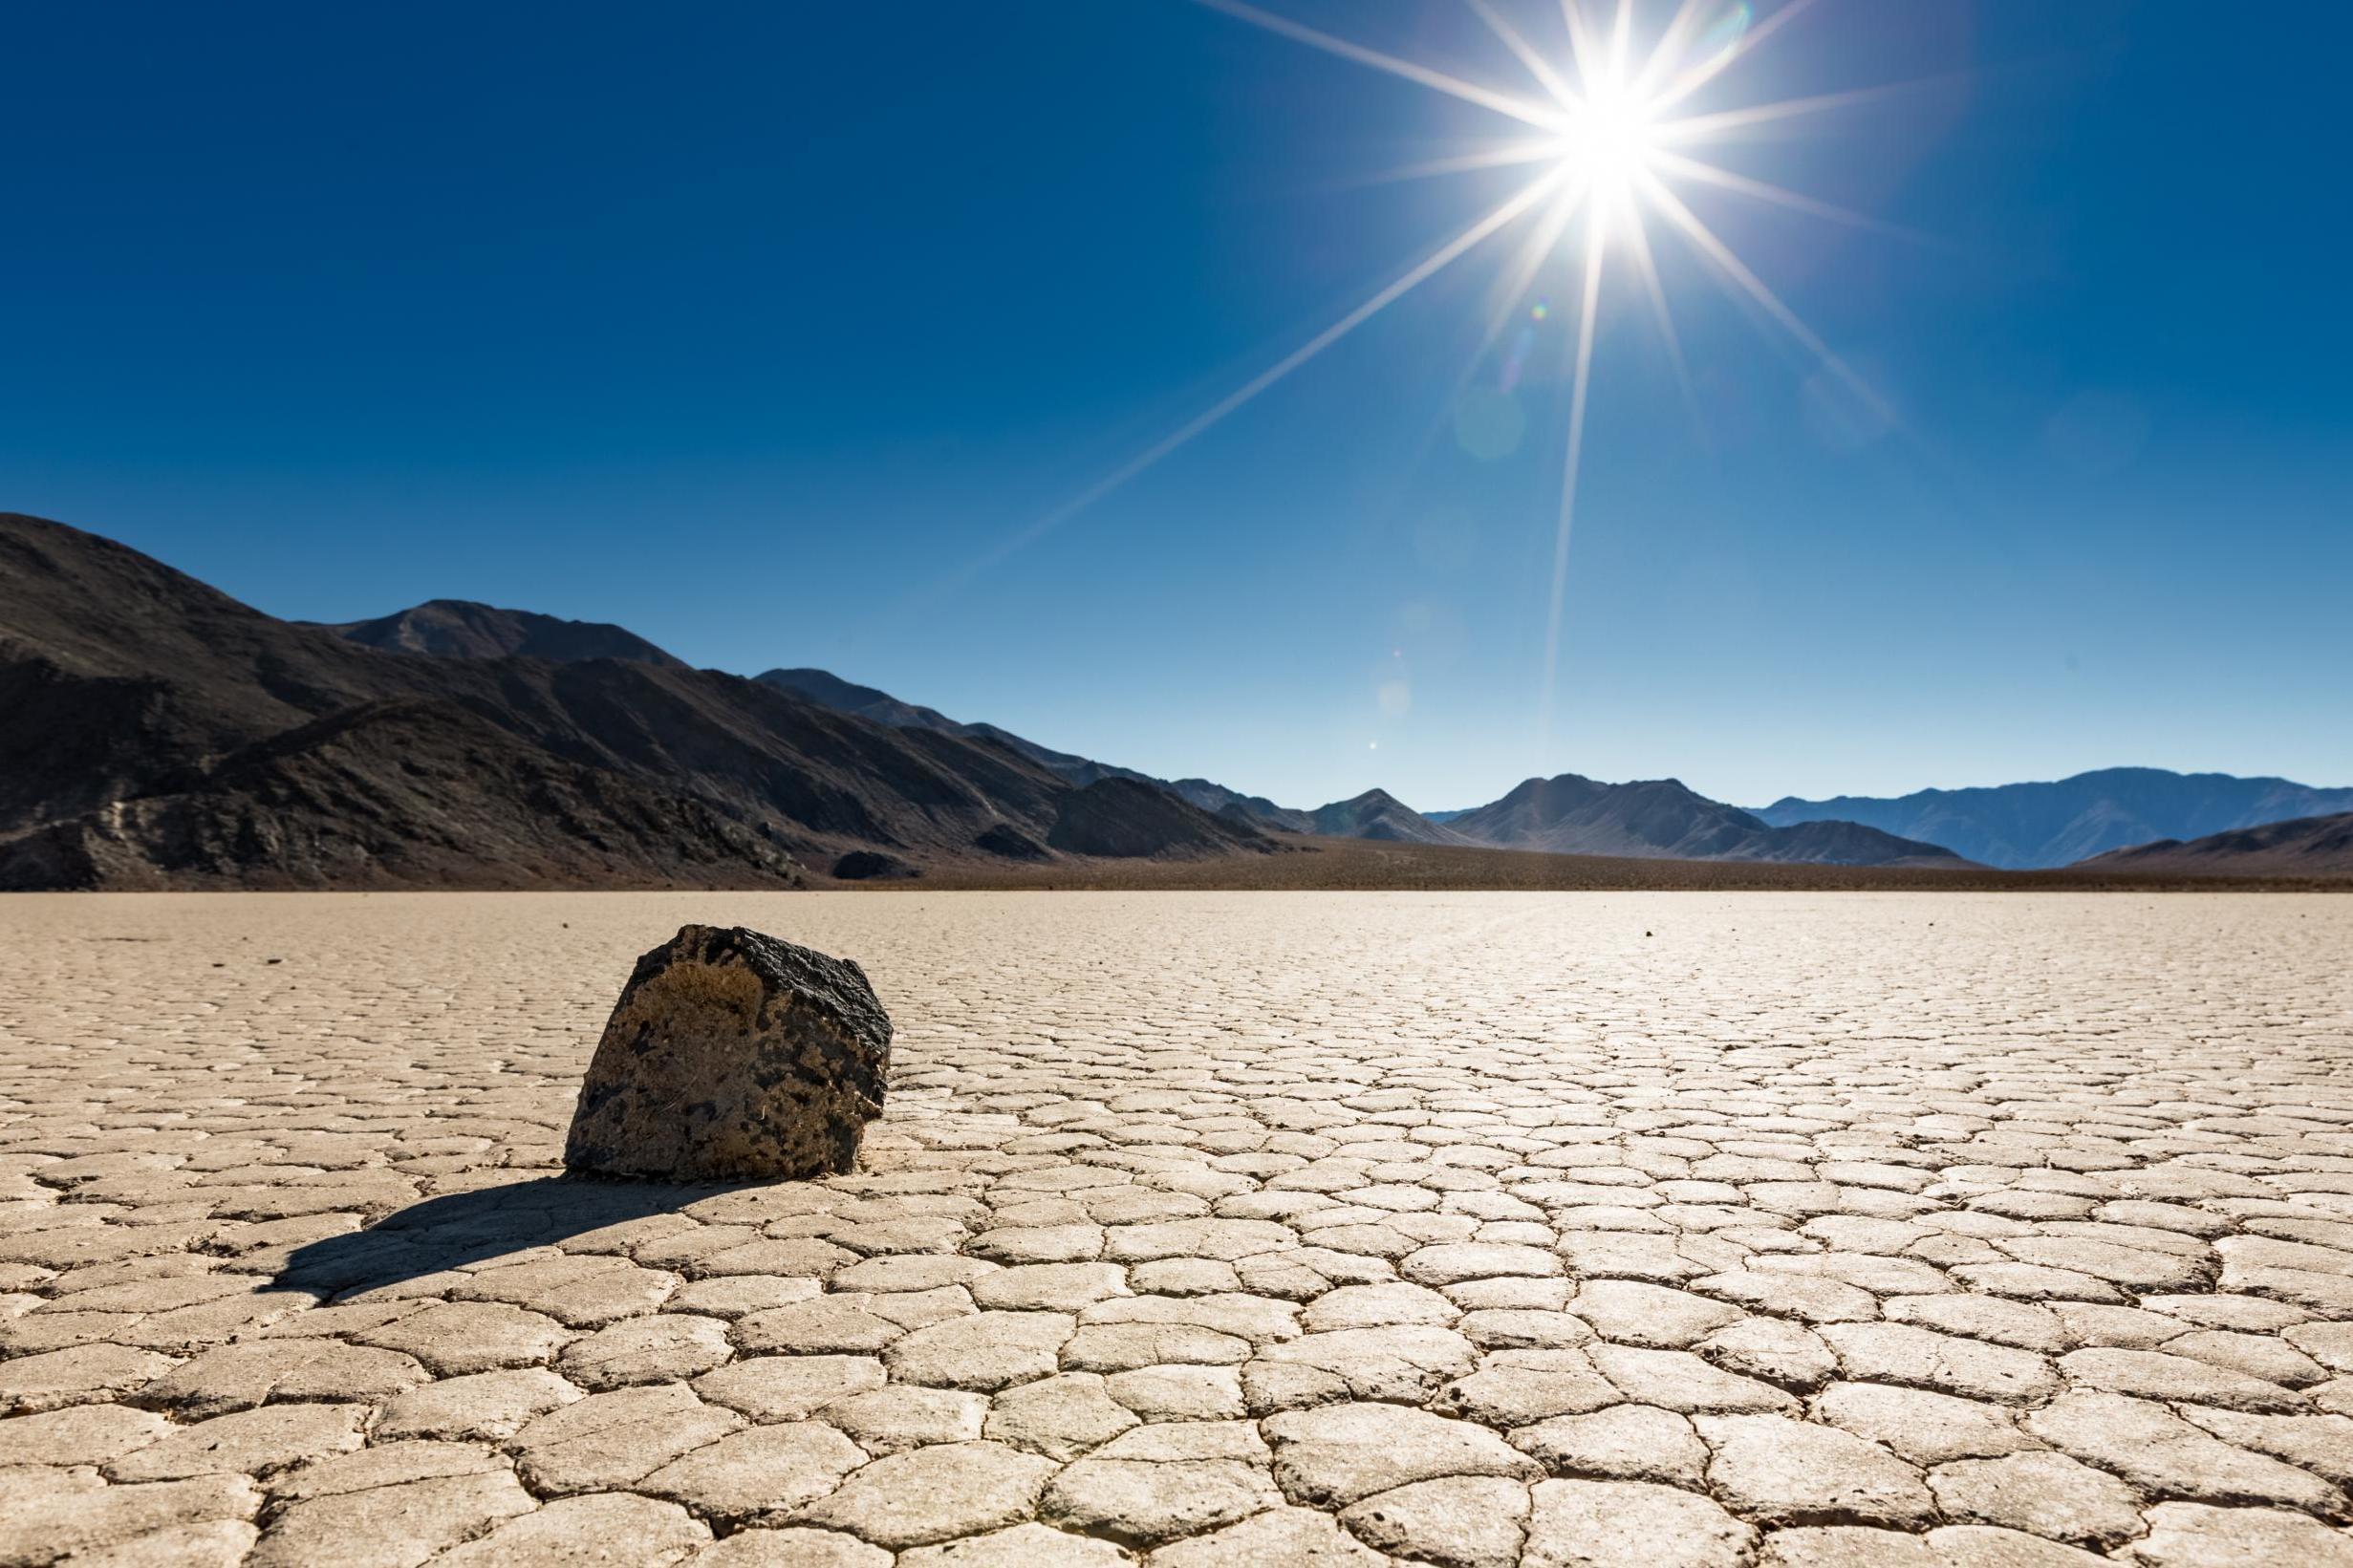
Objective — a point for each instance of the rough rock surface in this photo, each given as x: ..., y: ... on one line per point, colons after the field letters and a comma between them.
x: 733, y: 1057
x: 1202, y: 1231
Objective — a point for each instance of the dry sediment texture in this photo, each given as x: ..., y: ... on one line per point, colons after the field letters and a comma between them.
x: 1480, y: 1228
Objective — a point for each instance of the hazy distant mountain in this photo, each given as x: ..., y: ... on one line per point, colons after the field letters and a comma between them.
x: 1660, y: 817
x: 2060, y: 823
x: 462, y: 629
x: 1567, y: 815
x: 2303, y: 846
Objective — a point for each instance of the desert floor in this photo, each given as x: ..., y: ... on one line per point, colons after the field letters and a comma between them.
x: 1209, y: 1229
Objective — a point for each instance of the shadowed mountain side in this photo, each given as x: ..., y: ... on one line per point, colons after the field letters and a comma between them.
x: 1253, y: 809
x: 2305, y: 847
x: 871, y: 702
x: 1573, y: 815
x: 829, y: 690
x: 867, y: 702
x: 2068, y: 820
x: 1122, y: 819
x: 124, y: 681
x: 462, y: 629
x: 407, y: 793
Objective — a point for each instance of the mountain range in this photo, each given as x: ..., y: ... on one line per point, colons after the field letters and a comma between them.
x: 157, y: 733
x: 2062, y: 822
x: 1573, y: 815
x: 154, y: 732
x: 1565, y: 815
x: 2314, y: 846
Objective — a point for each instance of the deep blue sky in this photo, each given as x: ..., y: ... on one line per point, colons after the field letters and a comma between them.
x: 755, y: 327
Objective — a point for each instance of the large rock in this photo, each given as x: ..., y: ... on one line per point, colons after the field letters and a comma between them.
x: 733, y: 1056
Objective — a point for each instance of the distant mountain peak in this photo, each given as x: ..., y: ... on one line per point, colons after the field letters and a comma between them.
x: 2061, y: 821
x: 1571, y: 814
x: 466, y: 629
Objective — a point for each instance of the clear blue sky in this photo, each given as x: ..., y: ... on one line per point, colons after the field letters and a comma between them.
x: 755, y: 327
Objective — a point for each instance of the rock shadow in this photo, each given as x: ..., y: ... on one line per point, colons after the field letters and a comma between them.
x: 461, y: 1229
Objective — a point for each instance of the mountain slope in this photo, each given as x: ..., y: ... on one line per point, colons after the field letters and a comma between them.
x: 462, y: 629
x: 2068, y: 820
x: 466, y: 805
x: 2302, y: 846
x: 1378, y: 814
x: 822, y: 686
x: 832, y: 691
x: 1375, y: 814
x: 1125, y: 819
x: 158, y: 732
x: 1570, y: 814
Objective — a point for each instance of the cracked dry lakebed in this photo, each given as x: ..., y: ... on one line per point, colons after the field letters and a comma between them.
x: 1945, y: 1231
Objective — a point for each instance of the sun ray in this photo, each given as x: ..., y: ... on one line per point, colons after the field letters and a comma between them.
x: 1533, y: 253
x: 1580, y: 50
x: 1546, y: 77
x: 1662, y: 53
x: 1411, y: 277
x: 1507, y: 156
x: 1588, y: 313
x: 1731, y: 265
x: 1486, y: 98
x: 1613, y: 137
x: 1645, y: 266
x: 1708, y: 70
x: 1714, y: 127
x: 1709, y: 174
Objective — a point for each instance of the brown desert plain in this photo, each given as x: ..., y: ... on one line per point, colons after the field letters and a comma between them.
x: 1367, y: 866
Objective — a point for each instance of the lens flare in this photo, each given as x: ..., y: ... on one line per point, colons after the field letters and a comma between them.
x: 1612, y: 143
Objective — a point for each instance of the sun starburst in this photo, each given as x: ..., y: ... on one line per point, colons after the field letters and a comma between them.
x: 1611, y: 137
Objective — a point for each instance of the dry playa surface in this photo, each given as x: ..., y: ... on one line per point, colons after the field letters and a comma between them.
x: 1943, y: 1231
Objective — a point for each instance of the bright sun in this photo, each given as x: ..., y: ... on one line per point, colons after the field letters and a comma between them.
x: 1612, y: 135
x: 1609, y: 142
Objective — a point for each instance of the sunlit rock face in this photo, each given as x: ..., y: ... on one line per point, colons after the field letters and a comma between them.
x: 733, y: 1056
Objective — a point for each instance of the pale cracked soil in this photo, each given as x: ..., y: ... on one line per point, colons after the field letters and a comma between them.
x: 1947, y: 1231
